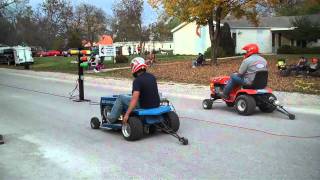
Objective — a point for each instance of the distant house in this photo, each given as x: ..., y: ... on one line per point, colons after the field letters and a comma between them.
x: 148, y: 46
x: 270, y: 34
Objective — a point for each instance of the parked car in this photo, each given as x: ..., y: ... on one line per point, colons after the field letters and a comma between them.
x: 41, y: 54
x: 53, y: 53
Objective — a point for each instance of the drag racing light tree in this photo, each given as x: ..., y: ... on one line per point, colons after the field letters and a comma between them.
x: 82, y: 63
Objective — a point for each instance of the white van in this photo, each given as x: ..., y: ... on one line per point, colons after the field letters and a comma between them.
x: 17, y: 55
x: 22, y: 55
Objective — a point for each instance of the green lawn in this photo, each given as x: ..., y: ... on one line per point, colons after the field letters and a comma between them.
x: 65, y: 65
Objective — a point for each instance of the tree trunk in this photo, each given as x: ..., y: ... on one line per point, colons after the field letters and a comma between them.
x: 211, y: 33
x: 215, y: 34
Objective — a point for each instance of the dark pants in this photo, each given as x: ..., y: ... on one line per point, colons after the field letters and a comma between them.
x: 235, y: 80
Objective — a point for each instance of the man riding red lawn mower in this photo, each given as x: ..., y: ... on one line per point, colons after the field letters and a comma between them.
x: 246, y: 89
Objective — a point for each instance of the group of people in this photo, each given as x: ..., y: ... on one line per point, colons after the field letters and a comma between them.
x: 303, y: 66
x: 145, y: 93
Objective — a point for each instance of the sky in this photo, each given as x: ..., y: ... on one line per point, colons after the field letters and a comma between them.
x: 149, y: 15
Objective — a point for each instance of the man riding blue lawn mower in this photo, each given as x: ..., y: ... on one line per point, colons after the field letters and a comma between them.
x: 141, y: 113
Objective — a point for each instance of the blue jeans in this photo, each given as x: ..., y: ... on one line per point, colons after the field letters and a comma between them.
x: 234, y: 81
x: 121, y: 104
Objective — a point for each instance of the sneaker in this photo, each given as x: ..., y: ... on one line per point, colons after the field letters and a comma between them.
x: 96, y: 71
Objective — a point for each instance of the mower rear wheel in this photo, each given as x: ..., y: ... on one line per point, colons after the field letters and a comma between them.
x: 105, y: 111
x: 265, y: 104
x: 133, y: 130
x: 95, y: 123
x: 207, y: 104
x: 245, y: 105
x: 172, y: 121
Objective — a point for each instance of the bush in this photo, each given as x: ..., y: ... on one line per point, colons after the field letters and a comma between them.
x: 298, y: 50
x: 221, y: 53
x: 121, y: 59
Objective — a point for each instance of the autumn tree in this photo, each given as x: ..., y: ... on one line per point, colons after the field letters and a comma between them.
x: 211, y: 13
x: 127, y: 24
x: 161, y: 29
x: 297, y: 7
x: 92, y: 21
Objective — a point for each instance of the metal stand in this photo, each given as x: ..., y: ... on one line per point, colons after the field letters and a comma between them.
x: 162, y: 126
x: 80, y: 80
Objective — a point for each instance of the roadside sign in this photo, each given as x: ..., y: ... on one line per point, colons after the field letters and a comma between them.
x: 106, y: 50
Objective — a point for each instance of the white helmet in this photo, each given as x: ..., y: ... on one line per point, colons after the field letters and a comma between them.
x: 137, y: 64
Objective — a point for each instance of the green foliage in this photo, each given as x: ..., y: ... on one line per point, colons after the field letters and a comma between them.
x: 221, y: 53
x: 121, y: 59
x: 226, y: 42
x: 306, y: 29
x: 297, y: 50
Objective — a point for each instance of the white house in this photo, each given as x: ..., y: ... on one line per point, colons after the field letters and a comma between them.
x: 148, y: 46
x: 270, y: 34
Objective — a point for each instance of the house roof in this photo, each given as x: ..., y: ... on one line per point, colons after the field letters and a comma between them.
x: 274, y: 22
x: 271, y: 22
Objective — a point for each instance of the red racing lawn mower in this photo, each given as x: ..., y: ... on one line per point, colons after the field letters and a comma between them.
x: 245, y: 99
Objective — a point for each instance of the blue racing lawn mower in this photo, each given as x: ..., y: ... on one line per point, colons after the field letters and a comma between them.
x: 141, y: 121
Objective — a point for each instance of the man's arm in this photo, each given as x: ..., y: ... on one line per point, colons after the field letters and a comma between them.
x: 132, y: 105
x: 243, y: 68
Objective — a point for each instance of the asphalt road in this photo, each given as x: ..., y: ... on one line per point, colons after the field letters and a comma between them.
x: 49, y: 137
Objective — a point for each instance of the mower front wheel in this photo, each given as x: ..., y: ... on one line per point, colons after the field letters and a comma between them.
x: 95, y: 123
x: 207, y: 104
x: 133, y: 130
x: 245, y: 105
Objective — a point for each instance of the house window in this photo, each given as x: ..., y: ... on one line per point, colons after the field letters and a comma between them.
x: 292, y: 42
x: 234, y: 37
x: 273, y: 39
x: 279, y: 39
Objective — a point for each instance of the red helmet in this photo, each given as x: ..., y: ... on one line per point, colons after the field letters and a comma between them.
x: 314, y: 60
x: 137, y: 64
x: 251, y: 49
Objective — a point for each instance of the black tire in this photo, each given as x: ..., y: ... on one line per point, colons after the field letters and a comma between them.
x: 245, y: 105
x: 26, y: 66
x: 267, y: 107
x: 172, y: 121
x: 230, y: 104
x: 292, y: 116
x: 285, y: 72
x: 207, y: 104
x: 95, y: 123
x: 152, y: 129
x: 133, y: 130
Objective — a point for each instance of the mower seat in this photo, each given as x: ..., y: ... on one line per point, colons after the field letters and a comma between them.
x: 260, y: 81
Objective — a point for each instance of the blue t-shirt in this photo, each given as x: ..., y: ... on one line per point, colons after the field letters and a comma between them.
x: 146, y: 84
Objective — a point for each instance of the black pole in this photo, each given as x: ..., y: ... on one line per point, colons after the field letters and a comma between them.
x: 81, y: 77
x: 1, y: 139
